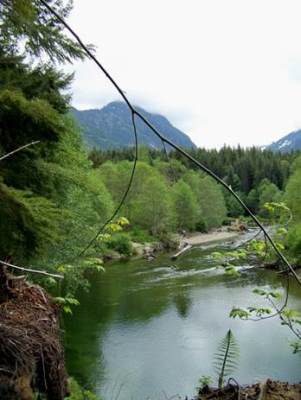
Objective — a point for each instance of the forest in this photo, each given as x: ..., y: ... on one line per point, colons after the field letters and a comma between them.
x: 56, y: 194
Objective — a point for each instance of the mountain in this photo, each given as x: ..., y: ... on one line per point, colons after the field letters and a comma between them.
x: 288, y: 143
x: 111, y: 127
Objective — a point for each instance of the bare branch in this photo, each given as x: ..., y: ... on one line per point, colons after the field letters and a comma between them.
x: 35, y: 271
x: 18, y: 149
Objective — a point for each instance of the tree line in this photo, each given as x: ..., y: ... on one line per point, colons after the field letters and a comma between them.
x: 256, y: 175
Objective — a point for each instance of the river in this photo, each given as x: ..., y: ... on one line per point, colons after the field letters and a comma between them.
x: 149, y: 330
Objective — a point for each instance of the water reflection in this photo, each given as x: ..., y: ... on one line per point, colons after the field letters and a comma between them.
x: 183, y: 303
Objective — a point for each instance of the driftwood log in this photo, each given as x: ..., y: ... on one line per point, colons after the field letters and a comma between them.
x: 31, y: 353
x: 182, y: 251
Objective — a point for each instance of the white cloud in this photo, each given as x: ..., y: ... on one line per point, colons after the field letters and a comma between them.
x: 223, y: 71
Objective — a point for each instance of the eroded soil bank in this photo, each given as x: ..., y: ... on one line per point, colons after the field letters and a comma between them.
x: 268, y: 390
x: 31, y: 353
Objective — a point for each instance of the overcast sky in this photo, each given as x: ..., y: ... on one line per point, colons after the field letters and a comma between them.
x: 223, y: 71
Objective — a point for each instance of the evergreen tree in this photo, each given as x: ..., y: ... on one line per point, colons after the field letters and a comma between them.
x: 51, y: 200
x: 39, y: 30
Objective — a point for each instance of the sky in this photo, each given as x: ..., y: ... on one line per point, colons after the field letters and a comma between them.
x: 222, y: 71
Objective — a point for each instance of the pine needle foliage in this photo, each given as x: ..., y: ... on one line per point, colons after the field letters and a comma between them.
x: 39, y: 30
x: 226, y: 358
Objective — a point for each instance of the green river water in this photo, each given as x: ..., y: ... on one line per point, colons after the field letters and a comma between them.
x: 149, y: 330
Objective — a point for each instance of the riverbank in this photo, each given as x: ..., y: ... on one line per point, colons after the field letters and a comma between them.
x: 149, y: 250
x: 197, y: 239
x: 178, y: 242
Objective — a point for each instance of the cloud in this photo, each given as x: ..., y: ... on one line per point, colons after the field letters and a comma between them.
x: 224, y: 72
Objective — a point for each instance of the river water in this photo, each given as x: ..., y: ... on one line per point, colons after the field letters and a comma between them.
x: 149, y: 330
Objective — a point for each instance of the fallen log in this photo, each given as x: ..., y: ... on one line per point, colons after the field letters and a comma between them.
x: 182, y: 251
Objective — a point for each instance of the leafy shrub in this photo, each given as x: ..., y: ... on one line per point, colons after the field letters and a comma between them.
x: 168, y: 241
x: 121, y: 242
x: 140, y: 235
x: 294, y: 242
x: 201, y: 226
x: 228, y: 221
x: 77, y: 393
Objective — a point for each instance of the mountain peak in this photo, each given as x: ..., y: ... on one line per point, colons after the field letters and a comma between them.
x: 111, y: 127
x: 288, y: 143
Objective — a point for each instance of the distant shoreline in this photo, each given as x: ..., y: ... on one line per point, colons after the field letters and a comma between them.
x: 150, y: 250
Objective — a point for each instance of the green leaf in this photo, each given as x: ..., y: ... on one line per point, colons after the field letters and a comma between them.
x: 240, y: 313
x: 261, y: 292
x: 59, y: 300
x: 67, y: 309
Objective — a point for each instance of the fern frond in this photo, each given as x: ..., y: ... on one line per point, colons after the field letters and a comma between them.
x: 226, y: 357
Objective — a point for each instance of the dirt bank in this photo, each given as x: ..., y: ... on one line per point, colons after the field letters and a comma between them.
x: 268, y: 390
x: 31, y: 354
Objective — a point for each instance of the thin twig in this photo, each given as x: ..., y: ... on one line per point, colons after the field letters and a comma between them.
x: 18, y: 149
x: 43, y: 365
x: 35, y: 271
x: 278, y: 310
